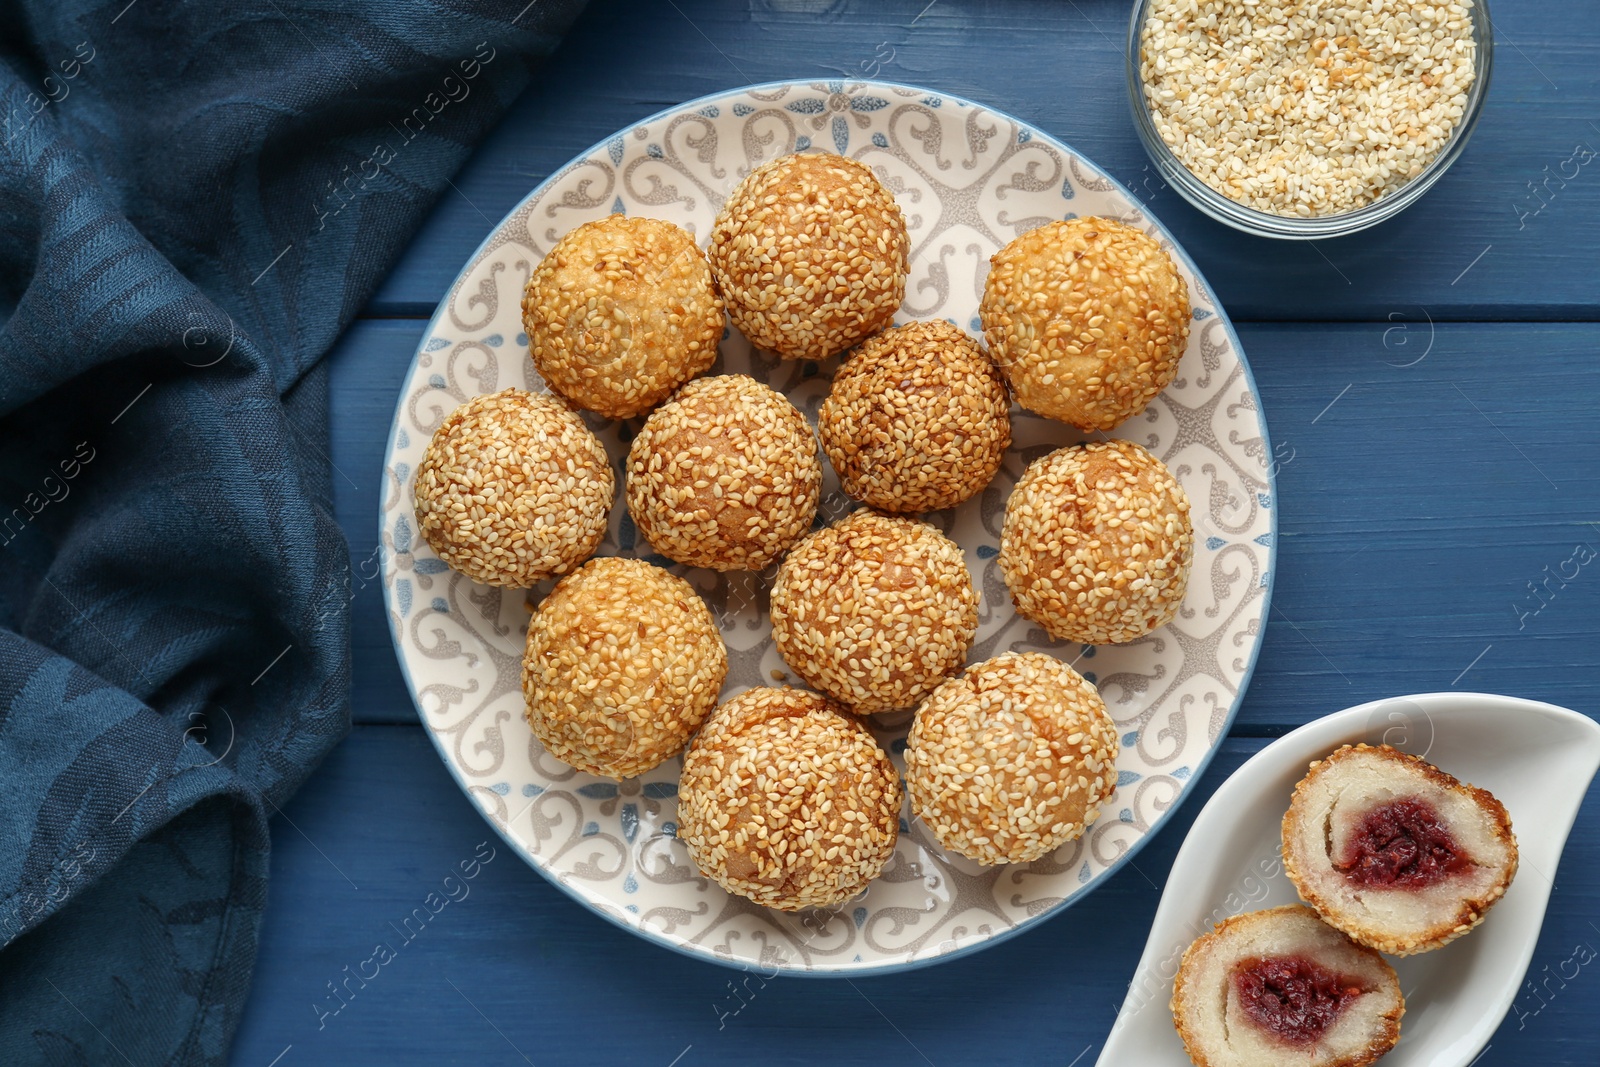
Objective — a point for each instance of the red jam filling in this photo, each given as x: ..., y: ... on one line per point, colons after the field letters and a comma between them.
x: 1293, y: 998
x: 1402, y: 845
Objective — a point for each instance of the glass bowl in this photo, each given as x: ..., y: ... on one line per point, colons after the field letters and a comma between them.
x: 1293, y: 227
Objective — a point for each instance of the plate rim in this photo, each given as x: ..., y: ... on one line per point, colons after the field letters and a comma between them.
x: 835, y: 969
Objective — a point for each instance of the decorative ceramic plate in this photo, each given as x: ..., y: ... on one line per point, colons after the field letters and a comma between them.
x: 969, y: 180
x: 1537, y: 759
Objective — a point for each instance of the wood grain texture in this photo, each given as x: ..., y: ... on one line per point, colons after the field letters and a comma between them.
x: 1416, y: 505
x: 1438, y: 467
x: 1061, y: 67
x: 513, y: 968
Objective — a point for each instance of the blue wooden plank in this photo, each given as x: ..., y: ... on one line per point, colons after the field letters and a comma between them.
x: 1434, y: 485
x: 366, y: 370
x: 1433, y: 517
x: 513, y: 969
x: 1430, y: 514
x: 1503, y: 235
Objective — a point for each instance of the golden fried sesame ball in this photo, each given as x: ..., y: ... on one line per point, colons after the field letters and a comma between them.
x: 875, y: 610
x: 811, y: 253
x: 513, y: 489
x: 787, y: 801
x: 1011, y: 760
x: 917, y: 420
x: 1097, y: 543
x: 1088, y: 319
x: 724, y: 475
x: 623, y: 663
x: 620, y: 313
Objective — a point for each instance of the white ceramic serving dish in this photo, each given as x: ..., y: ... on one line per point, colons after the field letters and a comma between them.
x: 1536, y: 758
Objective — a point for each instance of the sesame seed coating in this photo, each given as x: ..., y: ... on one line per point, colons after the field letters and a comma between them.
x: 620, y: 313
x: 918, y: 419
x: 811, y: 253
x: 1011, y: 760
x: 787, y: 801
x: 1088, y: 319
x: 513, y: 489
x: 622, y: 664
x: 724, y: 475
x: 1097, y: 543
x: 875, y: 610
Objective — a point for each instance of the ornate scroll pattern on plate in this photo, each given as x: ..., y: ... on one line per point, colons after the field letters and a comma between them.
x: 969, y: 180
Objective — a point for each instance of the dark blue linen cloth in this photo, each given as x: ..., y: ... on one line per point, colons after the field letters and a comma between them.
x: 195, y: 199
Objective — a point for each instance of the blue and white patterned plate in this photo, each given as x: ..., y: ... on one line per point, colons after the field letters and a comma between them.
x: 969, y: 180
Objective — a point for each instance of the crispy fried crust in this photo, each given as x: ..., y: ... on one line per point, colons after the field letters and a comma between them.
x: 918, y: 419
x: 621, y: 312
x: 787, y: 800
x: 875, y: 610
x: 622, y: 663
x: 1185, y: 997
x: 725, y: 475
x: 513, y: 489
x: 1472, y: 910
x: 811, y: 253
x: 1097, y: 543
x: 1011, y: 760
x: 1088, y: 318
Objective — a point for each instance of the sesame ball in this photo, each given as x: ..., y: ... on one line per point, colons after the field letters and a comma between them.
x: 875, y: 610
x: 724, y: 475
x: 623, y: 663
x: 1097, y: 543
x: 787, y: 801
x: 1088, y: 319
x: 1011, y: 760
x: 620, y: 313
x: 811, y: 253
x: 513, y: 489
x: 917, y: 420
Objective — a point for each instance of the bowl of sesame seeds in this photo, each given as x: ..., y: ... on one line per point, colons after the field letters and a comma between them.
x: 1300, y: 121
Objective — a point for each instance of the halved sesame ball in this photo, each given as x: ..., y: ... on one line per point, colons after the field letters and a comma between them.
x: 875, y: 610
x: 620, y: 313
x: 724, y: 475
x: 1097, y: 543
x: 787, y: 801
x: 622, y: 664
x: 1088, y: 319
x: 1011, y: 760
x: 1395, y: 852
x: 918, y: 419
x: 513, y: 489
x: 811, y: 253
x: 1280, y: 986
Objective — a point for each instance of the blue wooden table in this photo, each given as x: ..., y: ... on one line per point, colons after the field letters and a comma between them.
x: 1433, y: 392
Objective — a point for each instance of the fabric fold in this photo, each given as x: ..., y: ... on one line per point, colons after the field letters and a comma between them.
x: 195, y: 200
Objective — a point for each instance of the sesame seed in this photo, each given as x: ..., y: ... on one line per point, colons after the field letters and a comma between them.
x: 724, y: 475
x: 874, y: 610
x: 843, y: 248
x: 621, y: 312
x: 1306, y: 110
x: 787, y: 801
x: 1083, y: 514
x: 1087, y: 318
x: 623, y: 662
x: 512, y: 489
x: 990, y: 765
x: 918, y: 419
